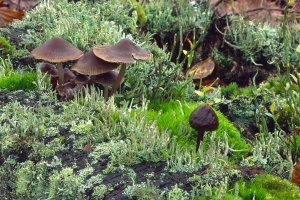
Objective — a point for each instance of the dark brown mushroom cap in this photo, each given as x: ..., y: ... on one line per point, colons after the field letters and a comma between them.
x: 107, y: 79
x: 56, y: 50
x: 89, y: 64
x: 68, y: 74
x: 47, y: 68
x: 82, y: 79
x: 125, y: 51
x: 204, y: 119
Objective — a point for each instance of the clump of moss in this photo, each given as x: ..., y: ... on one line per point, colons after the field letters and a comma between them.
x: 12, y: 80
x: 268, y: 187
x: 19, y: 81
x: 5, y: 47
x: 232, y: 90
x: 174, y: 116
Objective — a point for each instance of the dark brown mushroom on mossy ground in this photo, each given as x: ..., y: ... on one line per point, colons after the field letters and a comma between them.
x: 203, y: 119
x: 107, y: 80
x: 124, y: 52
x: 57, y: 50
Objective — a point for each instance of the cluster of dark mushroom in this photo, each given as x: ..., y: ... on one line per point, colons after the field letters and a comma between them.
x: 96, y: 66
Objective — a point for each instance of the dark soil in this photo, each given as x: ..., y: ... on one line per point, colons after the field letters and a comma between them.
x: 30, y: 99
x: 19, y: 96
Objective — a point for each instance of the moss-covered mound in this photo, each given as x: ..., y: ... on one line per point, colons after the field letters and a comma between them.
x: 174, y: 116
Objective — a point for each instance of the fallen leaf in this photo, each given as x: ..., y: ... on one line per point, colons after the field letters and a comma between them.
x: 259, y: 11
x: 298, y: 130
x: 272, y: 108
x: 8, y: 15
x: 208, y: 89
x: 296, y: 174
x: 202, y: 69
x: 295, y: 7
x: 20, y: 5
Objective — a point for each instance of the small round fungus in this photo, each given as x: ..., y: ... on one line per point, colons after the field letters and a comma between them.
x: 203, y: 119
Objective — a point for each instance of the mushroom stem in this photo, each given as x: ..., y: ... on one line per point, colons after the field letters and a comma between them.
x: 105, y: 92
x: 118, y: 80
x: 199, y: 139
x: 60, y: 71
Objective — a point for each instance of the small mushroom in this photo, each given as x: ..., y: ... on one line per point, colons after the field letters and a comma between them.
x: 107, y: 80
x: 124, y: 52
x: 67, y: 90
x: 91, y: 65
x: 203, y: 119
x: 68, y: 75
x: 49, y: 69
x: 57, y: 50
x: 82, y: 79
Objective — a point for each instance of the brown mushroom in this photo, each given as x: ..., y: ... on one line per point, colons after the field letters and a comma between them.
x: 203, y: 119
x: 107, y: 80
x: 124, y: 52
x: 68, y: 75
x: 82, y: 79
x: 91, y: 65
x: 57, y: 50
x: 67, y: 90
x: 49, y: 69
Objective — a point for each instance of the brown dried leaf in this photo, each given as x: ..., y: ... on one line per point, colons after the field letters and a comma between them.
x: 255, y: 10
x: 202, y: 69
x: 295, y: 7
x: 298, y: 130
x: 7, y: 15
x: 24, y: 4
x: 296, y: 174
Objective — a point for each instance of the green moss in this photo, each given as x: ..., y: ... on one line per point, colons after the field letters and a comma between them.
x: 19, y: 81
x: 5, y: 47
x: 269, y: 187
x: 232, y: 90
x: 174, y: 116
